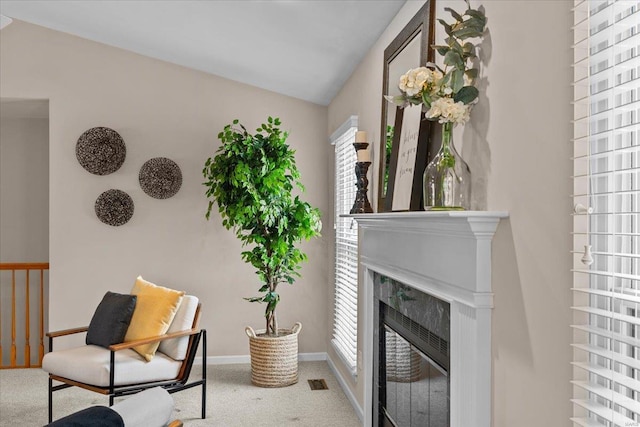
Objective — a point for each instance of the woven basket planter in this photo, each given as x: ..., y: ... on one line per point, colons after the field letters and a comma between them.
x: 274, y: 360
x: 403, y: 363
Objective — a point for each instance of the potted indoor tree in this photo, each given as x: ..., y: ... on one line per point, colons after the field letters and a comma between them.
x: 252, y: 178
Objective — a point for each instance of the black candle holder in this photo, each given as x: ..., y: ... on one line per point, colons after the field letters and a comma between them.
x: 361, y: 204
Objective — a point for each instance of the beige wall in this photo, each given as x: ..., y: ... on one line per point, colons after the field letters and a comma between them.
x: 518, y: 147
x: 160, y: 109
x: 24, y: 189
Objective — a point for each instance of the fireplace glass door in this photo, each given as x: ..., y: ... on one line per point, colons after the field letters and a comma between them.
x: 415, y: 389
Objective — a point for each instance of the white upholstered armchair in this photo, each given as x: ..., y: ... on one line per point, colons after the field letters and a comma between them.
x: 129, y: 367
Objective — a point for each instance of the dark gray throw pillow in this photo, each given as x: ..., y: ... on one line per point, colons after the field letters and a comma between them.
x: 110, y: 321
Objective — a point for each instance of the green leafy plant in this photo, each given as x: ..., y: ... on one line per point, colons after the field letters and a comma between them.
x: 252, y: 179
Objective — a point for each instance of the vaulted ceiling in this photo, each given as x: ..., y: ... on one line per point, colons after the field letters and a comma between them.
x: 302, y: 48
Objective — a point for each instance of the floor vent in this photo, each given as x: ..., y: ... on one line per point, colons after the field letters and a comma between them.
x: 318, y: 385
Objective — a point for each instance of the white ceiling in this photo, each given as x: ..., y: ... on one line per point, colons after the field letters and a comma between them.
x: 302, y: 48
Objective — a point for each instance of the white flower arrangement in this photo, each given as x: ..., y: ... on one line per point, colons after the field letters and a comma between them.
x: 449, y: 93
x: 418, y: 80
x: 445, y: 110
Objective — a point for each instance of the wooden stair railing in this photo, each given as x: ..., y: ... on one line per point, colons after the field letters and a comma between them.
x: 40, y: 267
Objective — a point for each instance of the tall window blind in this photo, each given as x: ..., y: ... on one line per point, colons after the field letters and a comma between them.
x: 346, y: 251
x: 606, y: 374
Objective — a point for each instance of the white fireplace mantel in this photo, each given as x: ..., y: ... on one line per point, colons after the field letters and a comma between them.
x: 448, y: 255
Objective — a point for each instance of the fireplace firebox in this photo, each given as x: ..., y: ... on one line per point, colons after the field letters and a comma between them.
x: 411, y: 367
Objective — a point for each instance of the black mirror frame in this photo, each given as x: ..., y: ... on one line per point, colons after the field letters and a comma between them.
x: 422, y: 22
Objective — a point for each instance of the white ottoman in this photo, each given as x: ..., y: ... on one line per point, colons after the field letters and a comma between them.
x: 149, y: 408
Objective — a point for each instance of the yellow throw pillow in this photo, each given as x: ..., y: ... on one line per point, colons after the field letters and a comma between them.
x: 154, y: 312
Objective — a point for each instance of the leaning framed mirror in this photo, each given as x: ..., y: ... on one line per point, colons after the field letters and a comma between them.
x: 399, y: 186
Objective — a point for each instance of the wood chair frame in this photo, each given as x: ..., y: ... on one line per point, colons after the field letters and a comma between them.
x: 178, y: 384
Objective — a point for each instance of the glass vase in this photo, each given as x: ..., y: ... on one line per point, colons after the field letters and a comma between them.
x: 447, y: 178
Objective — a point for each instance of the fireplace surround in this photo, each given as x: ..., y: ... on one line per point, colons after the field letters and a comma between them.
x: 446, y: 255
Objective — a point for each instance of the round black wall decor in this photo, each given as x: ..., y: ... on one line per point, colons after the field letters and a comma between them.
x: 101, y: 150
x: 114, y: 207
x: 160, y: 177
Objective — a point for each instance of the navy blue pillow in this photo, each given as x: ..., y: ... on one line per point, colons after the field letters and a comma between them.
x: 110, y: 322
x: 94, y: 416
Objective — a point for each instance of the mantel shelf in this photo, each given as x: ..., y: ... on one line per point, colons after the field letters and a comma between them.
x: 476, y: 224
x: 427, y: 215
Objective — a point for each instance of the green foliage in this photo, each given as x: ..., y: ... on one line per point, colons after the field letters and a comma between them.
x: 458, y: 52
x: 447, y: 160
x: 252, y: 179
x: 466, y: 94
x: 387, y: 159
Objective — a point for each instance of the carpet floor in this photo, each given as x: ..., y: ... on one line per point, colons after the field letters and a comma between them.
x: 231, y: 400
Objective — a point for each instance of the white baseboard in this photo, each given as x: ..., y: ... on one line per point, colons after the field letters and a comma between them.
x: 245, y: 359
x: 226, y: 360
x: 346, y: 389
x: 312, y: 357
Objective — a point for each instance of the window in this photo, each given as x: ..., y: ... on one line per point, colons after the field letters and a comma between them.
x: 607, y: 215
x: 345, y: 324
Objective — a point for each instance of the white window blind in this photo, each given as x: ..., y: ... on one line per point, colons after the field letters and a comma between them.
x: 606, y: 374
x: 346, y: 250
